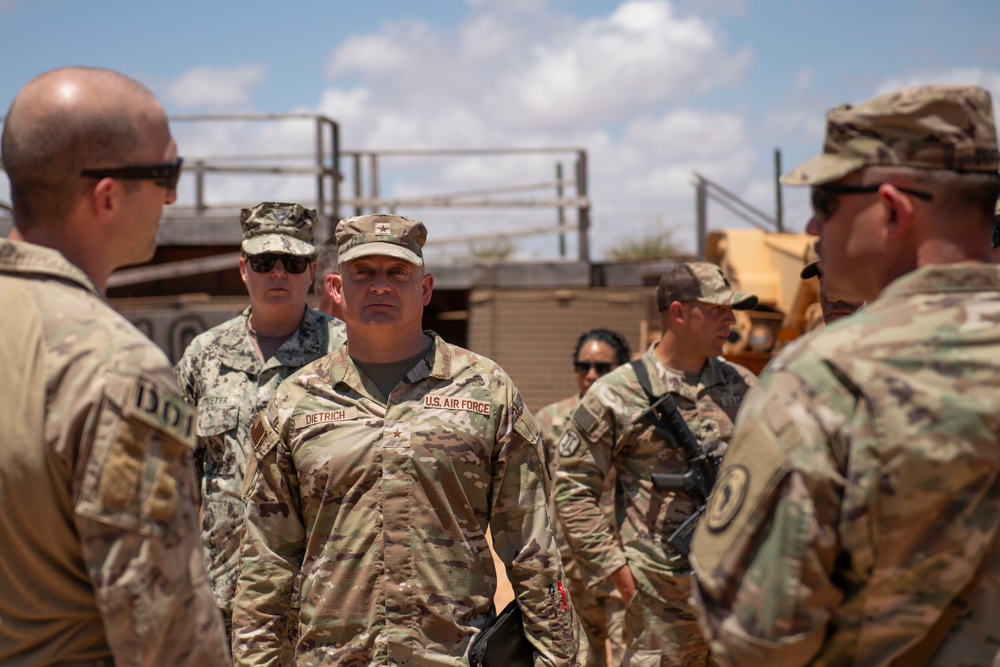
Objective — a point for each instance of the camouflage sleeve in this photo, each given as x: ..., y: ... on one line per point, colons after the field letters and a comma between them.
x: 523, y: 539
x: 186, y: 371
x: 764, y: 553
x: 545, y: 419
x: 187, y: 374
x: 136, y: 514
x: 585, y: 450
x: 272, y: 546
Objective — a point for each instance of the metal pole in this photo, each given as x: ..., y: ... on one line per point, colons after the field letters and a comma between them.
x: 358, y: 210
x: 560, y: 211
x: 374, y: 182
x: 778, y: 207
x: 701, y: 215
x: 583, y: 211
x: 320, y: 199
x: 199, y: 186
x: 335, y: 166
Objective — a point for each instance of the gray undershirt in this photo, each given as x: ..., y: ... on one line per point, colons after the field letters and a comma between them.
x: 386, y: 376
x: 266, y: 346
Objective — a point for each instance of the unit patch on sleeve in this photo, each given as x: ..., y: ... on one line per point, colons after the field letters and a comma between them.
x: 727, y: 497
x: 568, y: 444
x: 457, y: 403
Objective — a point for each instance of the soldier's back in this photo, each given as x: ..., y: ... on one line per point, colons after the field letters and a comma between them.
x: 96, y: 481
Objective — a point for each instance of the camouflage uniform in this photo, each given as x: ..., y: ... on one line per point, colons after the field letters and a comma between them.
x: 857, y: 513
x: 600, y: 608
x: 384, y: 508
x: 868, y: 469
x: 102, y: 562
x: 601, y: 434
x: 223, y: 375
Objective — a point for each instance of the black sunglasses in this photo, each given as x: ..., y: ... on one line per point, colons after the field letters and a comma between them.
x: 602, y: 367
x: 165, y: 175
x: 823, y: 196
x: 265, y: 262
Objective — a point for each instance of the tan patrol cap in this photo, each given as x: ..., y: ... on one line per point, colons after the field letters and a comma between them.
x: 278, y: 227
x: 929, y: 127
x: 381, y: 234
x: 700, y: 281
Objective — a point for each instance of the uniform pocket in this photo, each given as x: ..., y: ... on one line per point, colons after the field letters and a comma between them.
x: 217, y: 435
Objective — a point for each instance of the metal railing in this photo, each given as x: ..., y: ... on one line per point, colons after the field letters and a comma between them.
x: 206, y: 204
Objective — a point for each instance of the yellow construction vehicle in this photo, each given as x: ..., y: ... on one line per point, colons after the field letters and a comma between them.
x: 767, y: 264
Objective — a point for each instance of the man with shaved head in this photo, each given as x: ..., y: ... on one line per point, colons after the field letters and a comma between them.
x: 856, y: 517
x: 102, y: 561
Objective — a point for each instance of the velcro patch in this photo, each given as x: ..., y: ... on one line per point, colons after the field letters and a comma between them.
x: 568, y: 444
x: 163, y: 411
x: 313, y: 418
x: 727, y: 497
x: 262, y: 436
x: 456, y: 403
x: 586, y: 421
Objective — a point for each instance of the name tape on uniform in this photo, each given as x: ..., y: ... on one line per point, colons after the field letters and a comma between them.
x: 456, y: 403
x: 162, y: 410
x: 314, y: 418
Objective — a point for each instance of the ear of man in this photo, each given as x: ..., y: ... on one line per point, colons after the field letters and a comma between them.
x: 427, y: 283
x: 900, y: 211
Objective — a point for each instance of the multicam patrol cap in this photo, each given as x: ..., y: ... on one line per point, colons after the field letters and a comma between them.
x: 929, y: 127
x: 278, y: 227
x: 700, y: 281
x: 381, y: 234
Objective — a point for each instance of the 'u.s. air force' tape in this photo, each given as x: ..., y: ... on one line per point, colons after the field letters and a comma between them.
x: 568, y: 444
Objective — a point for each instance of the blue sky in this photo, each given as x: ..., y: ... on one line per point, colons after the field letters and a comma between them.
x: 653, y: 89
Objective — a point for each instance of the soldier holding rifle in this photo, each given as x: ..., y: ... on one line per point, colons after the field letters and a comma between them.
x: 613, y: 427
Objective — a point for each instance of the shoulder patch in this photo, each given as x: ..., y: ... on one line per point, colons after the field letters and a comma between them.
x: 727, y: 497
x: 262, y: 436
x: 256, y: 432
x: 568, y: 444
x: 584, y: 419
x: 162, y: 410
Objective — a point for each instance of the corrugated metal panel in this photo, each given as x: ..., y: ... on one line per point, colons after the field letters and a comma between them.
x: 532, y: 333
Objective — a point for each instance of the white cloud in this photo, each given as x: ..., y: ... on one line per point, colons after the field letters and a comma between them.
x: 525, y: 75
x: 216, y: 87
x: 638, y: 58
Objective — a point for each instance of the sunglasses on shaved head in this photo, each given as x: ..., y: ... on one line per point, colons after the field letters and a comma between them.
x: 164, y: 175
x: 824, y: 196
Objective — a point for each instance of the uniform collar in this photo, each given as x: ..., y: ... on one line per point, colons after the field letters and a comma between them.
x: 29, y: 258
x: 666, y: 380
x: 936, y: 278
x: 310, y: 341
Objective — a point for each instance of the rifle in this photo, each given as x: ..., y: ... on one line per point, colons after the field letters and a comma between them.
x: 697, y: 481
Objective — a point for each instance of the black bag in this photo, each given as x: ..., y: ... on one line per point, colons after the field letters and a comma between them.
x: 502, y: 643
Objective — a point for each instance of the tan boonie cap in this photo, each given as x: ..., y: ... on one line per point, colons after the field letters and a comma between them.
x: 700, y: 281
x: 929, y: 127
x: 381, y: 234
x: 278, y: 227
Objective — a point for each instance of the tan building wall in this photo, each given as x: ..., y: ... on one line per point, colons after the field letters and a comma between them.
x: 531, y: 333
